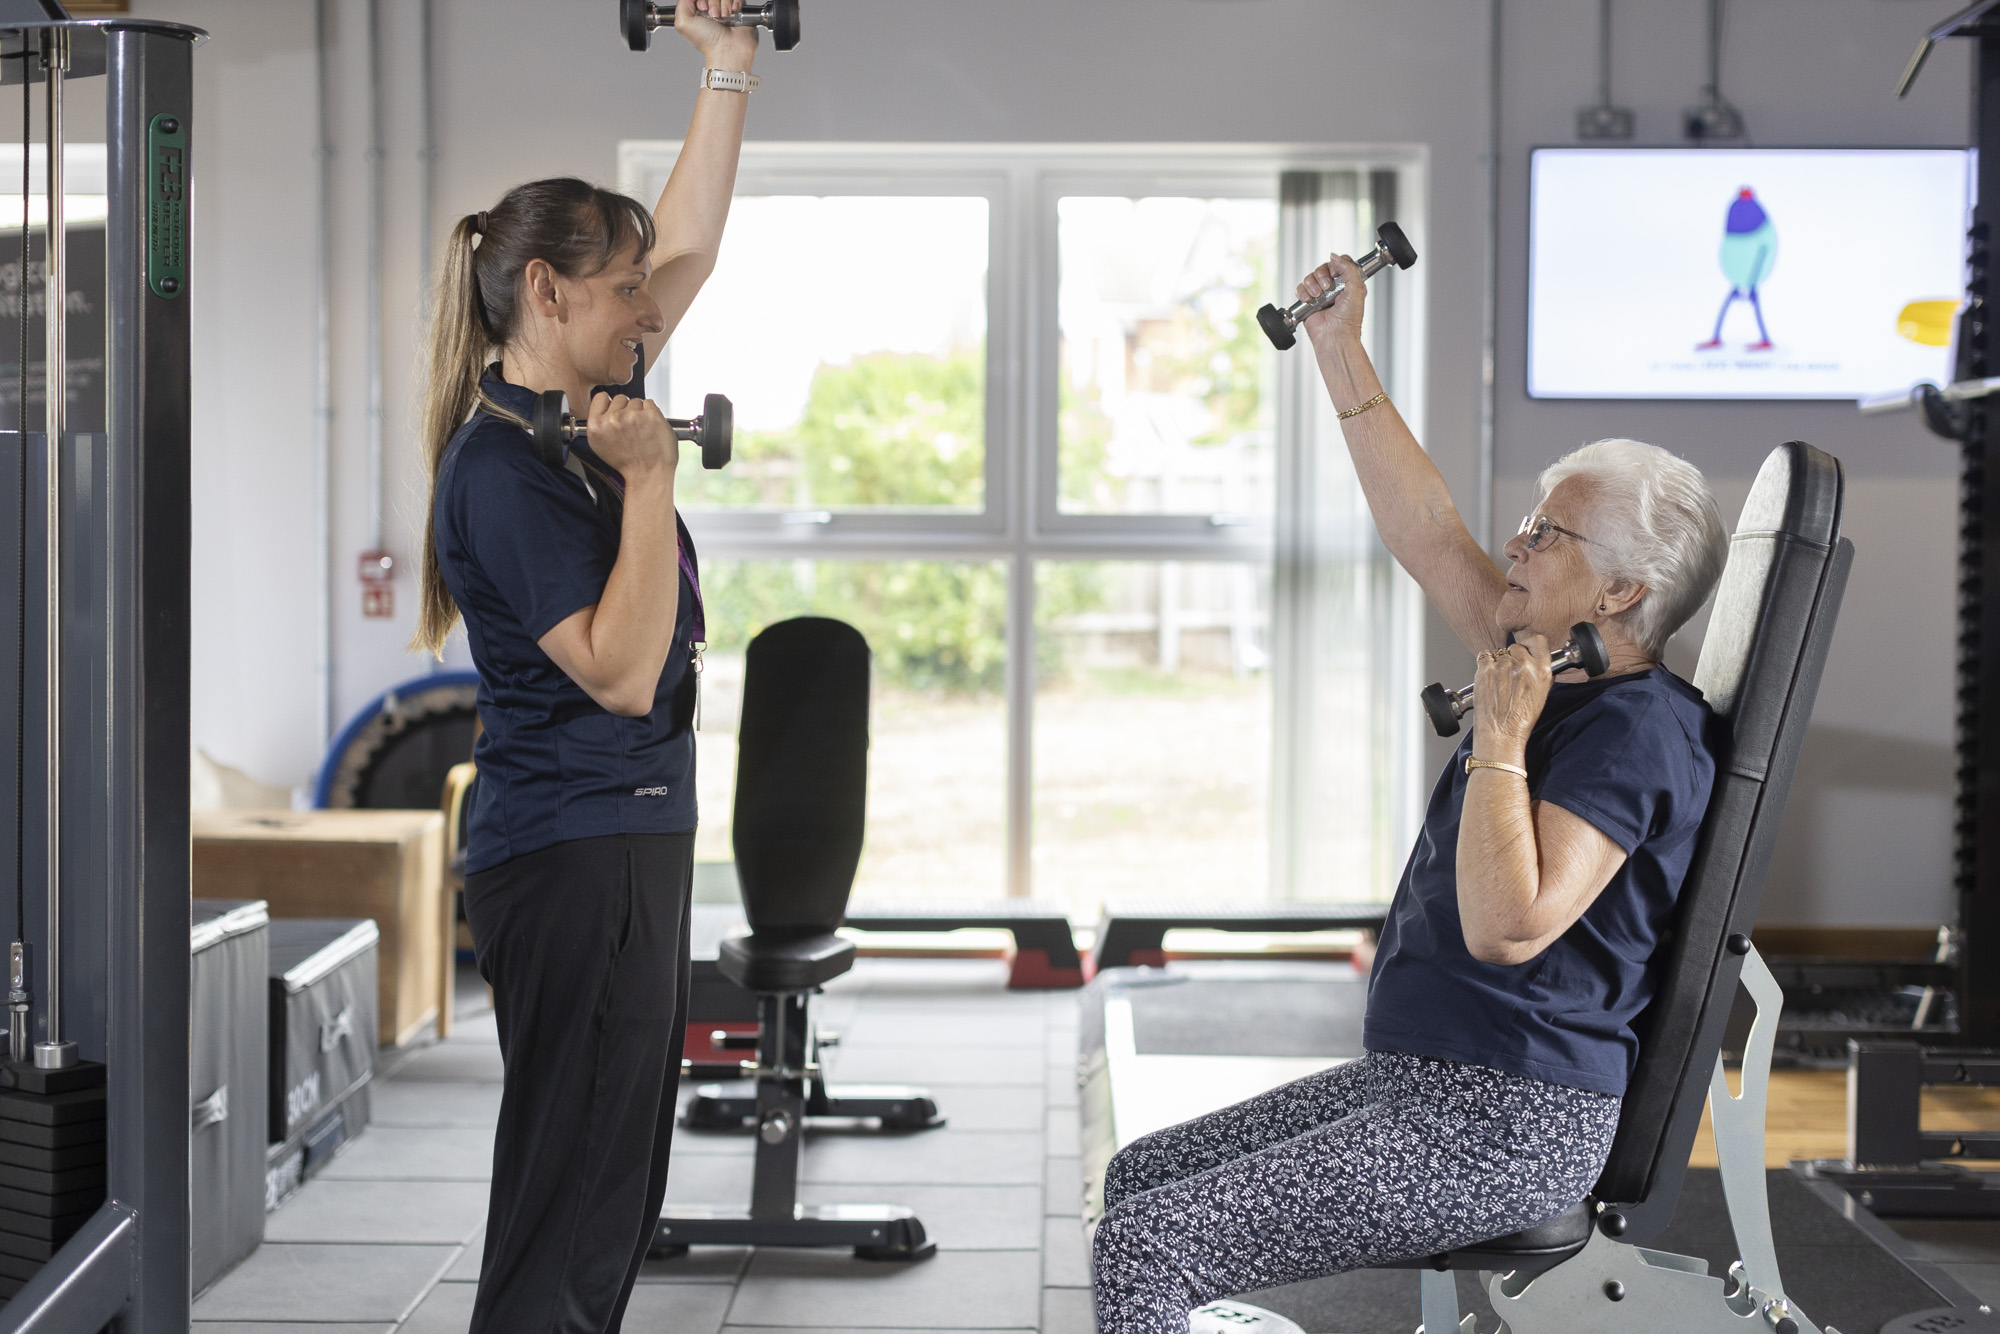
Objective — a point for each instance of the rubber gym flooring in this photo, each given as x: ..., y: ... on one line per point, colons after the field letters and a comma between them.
x: 388, y: 1237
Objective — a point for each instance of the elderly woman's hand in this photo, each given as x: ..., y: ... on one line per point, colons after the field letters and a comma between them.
x: 1510, y: 688
x: 1342, y: 319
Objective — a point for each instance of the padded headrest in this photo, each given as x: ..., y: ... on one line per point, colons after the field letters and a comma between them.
x: 1759, y: 670
x: 801, y: 774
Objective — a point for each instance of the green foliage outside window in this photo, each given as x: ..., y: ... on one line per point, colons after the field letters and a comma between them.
x: 888, y: 429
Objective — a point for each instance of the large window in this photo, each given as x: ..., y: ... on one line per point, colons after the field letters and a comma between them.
x: 1008, y: 411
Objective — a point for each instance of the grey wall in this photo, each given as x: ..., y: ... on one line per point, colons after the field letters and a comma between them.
x: 1867, y: 838
x: 534, y: 87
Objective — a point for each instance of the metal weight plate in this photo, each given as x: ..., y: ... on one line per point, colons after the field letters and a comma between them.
x: 718, y: 431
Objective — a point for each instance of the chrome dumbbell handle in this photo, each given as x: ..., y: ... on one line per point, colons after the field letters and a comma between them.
x: 1585, y: 649
x: 1370, y: 264
x: 1392, y: 248
x: 639, y: 19
x: 555, y: 428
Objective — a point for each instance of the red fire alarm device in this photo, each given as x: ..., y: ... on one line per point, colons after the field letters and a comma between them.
x: 378, y: 589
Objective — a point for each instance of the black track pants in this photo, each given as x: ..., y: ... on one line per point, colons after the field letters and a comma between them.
x: 586, y: 947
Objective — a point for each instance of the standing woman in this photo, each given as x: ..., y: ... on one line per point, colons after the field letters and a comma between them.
x: 581, y: 603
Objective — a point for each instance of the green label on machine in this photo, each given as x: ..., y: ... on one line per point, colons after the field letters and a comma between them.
x: 166, y: 205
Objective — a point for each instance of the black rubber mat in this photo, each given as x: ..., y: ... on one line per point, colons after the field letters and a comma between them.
x: 1289, y: 1017
x: 1834, y: 1272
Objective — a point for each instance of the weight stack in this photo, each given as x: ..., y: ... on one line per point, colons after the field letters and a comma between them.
x: 52, y: 1160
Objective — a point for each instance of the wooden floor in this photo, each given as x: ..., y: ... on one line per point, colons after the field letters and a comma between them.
x: 1807, y: 1117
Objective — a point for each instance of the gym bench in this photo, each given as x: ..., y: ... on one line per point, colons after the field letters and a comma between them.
x: 1044, y: 956
x: 1134, y: 935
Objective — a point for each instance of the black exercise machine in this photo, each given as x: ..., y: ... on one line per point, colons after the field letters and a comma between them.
x: 94, y: 527
x: 801, y: 806
x: 1892, y: 1163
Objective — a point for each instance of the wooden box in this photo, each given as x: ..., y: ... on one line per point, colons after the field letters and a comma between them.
x: 387, y: 865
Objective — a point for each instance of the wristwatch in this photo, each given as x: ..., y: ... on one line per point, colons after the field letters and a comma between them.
x: 730, y: 80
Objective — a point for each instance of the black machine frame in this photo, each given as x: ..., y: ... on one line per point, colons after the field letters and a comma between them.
x: 122, y: 900
x: 1893, y: 1165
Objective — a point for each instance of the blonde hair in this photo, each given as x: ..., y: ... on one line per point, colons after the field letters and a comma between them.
x: 576, y: 228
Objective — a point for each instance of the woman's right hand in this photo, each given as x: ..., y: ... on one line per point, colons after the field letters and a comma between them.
x: 1342, y: 319
x: 632, y: 435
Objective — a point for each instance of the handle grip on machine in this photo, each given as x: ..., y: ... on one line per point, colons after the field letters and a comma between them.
x: 637, y: 19
x: 555, y: 429
x: 1585, y: 649
x: 1391, y: 247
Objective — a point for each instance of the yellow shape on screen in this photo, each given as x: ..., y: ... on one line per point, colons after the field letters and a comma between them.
x: 1927, y: 322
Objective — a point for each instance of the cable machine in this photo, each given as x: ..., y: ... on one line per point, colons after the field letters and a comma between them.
x: 95, y: 529
x: 1894, y: 1165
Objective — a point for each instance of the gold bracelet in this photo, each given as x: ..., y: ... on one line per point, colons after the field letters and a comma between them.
x: 1356, y: 412
x: 1471, y: 764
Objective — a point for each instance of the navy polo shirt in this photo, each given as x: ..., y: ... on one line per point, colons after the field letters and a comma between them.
x: 1633, y: 755
x: 522, y: 547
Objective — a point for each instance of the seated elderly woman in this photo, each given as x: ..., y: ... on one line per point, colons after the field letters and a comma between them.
x: 1518, y: 950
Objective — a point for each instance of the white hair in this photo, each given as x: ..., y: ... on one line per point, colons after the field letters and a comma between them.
x: 1654, y: 521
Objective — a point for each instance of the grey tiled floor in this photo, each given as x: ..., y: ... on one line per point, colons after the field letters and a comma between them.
x: 387, y: 1239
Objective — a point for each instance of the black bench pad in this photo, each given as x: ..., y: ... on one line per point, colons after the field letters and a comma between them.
x: 764, y: 963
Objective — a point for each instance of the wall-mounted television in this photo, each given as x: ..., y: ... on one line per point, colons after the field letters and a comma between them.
x: 1743, y: 273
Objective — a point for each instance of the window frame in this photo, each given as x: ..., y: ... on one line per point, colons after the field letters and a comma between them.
x: 1021, y: 522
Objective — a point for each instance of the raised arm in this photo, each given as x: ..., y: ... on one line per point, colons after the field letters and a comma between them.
x: 1413, y: 509
x: 695, y: 203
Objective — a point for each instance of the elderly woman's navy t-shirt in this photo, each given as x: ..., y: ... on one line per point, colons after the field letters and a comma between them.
x: 523, y: 547
x: 1633, y: 755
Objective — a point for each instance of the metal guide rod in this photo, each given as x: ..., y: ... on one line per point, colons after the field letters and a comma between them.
x: 53, y: 1053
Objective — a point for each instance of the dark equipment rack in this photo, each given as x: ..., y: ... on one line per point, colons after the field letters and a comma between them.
x: 1893, y: 1165
x: 123, y: 899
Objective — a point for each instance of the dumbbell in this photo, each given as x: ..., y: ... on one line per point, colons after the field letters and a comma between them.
x: 1391, y: 247
x: 638, y: 19
x: 556, y: 430
x: 1585, y: 649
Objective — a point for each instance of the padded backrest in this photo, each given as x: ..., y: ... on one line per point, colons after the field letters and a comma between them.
x: 801, y: 775
x: 1760, y: 668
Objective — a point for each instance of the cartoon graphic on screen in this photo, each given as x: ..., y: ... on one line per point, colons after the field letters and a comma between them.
x: 1749, y: 245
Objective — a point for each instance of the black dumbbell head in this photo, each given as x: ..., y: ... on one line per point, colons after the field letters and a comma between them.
x: 635, y: 19
x: 1437, y: 703
x: 1395, y: 245
x: 784, y: 24
x: 718, y: 431
x: 1590, y: 654
x: 1272, y: 321
x: 550, y: 409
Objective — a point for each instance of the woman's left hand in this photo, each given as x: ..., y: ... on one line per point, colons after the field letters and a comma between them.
x: 1509, y: 690
x: 721, y: 47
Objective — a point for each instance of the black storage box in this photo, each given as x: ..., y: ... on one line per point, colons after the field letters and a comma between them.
x: 322, y: 1052
x: 227, y: 1077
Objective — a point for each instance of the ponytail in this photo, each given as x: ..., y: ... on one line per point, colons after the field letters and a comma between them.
x: 455, y: 351
x: 574, y: 226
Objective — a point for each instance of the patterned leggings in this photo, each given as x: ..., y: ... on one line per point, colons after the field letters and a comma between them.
x: 1381, y: 1159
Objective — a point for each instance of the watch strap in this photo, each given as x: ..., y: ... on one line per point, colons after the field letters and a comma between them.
x: 730, y: 80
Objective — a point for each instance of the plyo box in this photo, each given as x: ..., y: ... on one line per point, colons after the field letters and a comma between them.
x: 384, y: 865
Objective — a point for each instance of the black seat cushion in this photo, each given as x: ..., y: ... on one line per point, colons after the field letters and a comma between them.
x: 770, y: 962
x: 801, y: 774
x: 1543, y: 1246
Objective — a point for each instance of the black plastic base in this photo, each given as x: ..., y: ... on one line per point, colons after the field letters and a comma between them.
x: 734, y: 1106
x: 1935, y: 1190
x: 875, y: 1231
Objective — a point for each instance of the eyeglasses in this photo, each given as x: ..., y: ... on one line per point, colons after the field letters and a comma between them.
x: 1540, y: 530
